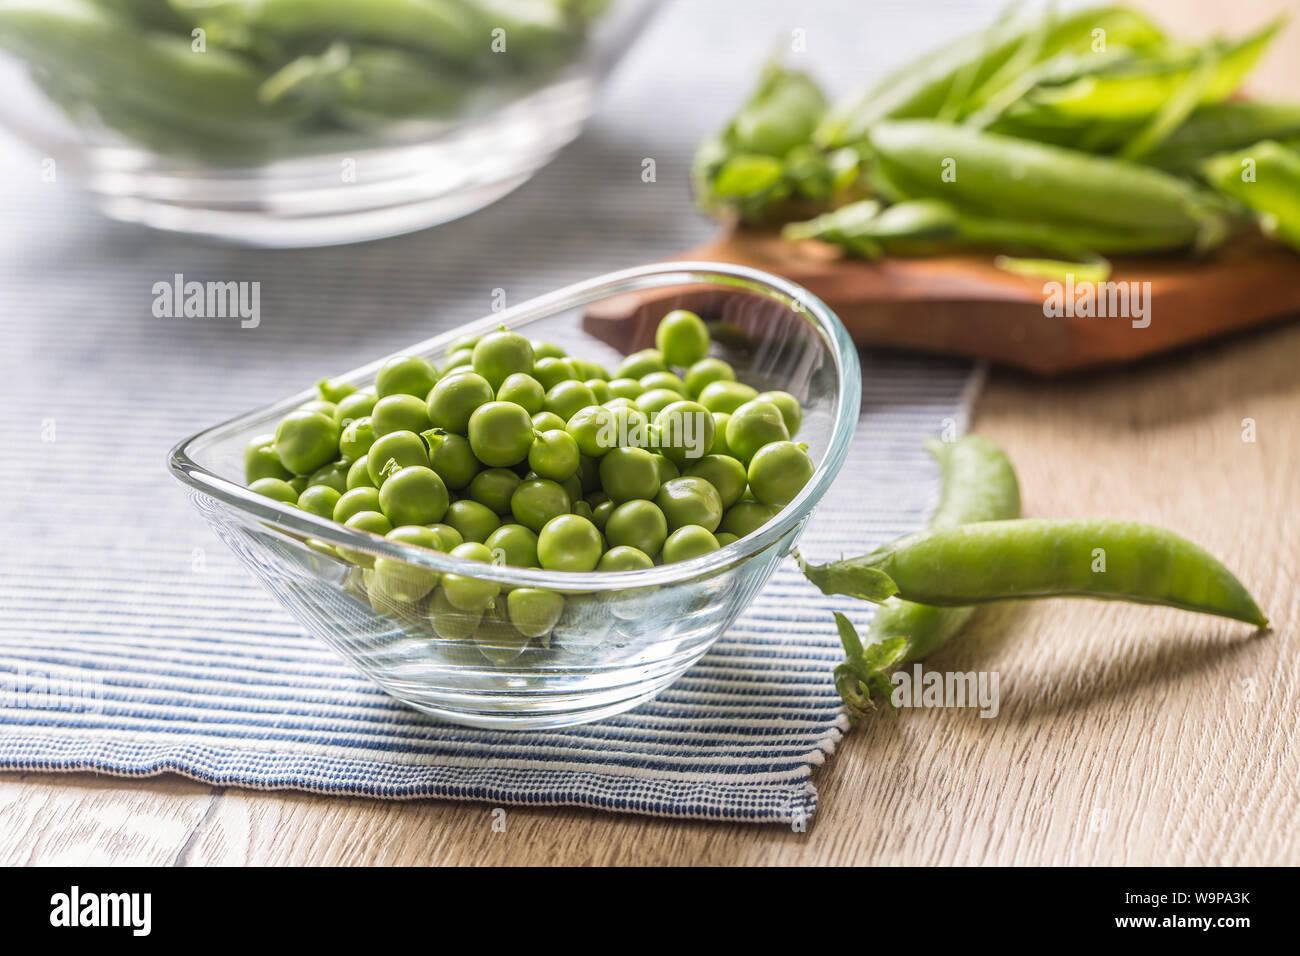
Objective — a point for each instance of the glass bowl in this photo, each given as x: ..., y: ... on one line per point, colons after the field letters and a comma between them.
x: 622, y: 636
x: 303, y: 122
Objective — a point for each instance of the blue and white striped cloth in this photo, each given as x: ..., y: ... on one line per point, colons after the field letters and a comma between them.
x: 132, y: 643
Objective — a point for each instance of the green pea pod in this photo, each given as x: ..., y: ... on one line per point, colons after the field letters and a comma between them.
x: 1266, y: 179
x: 535, y: 33
x: 922, y: 88
x: 1222, y: 127
x: 1039, y: 558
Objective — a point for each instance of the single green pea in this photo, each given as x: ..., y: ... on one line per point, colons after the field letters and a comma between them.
x: 500, y: 354
x: 334, y: 392
x: 656, y: 400
x: 500, y: 433
x: 600, y: 513
x: 538, y: 500
x: 753, y: 425
x: 689, y: 541
x: 261, y: 461
x: 628, y: 473
x: 746, y: 516
x: 524, y: 390
x: 685, y: 431
x: 393, y: 451
x: 493, y: 487
x: 569, y: 543
x: 582, y: 509
x: 472, y: 520
x: 461, y: 342
x: 298, y: 483
x: 335, y: 475
x: 319, y: 405
x: 637, y: 524
x: 373, y: 522
x: 357, y: 405
x: 408, y: 582
x: 554, y: 454
x: 624, y: 388
x: 572, y: 487
x: 450, y: 622
x: 724, y: 473
x: 463, y: 591
x: 547, y: 421
x: 619, y: 402
x: 667, y: 469
x: 686, y: 501
x: 459, y: 358
x: 552, y: 371
x: 406, y: 375
x: 790, y: 408
x: 399, y: 413
x: 725, y: 538
x: 724, y: 396
x: 356, y: 501
x: 356, y: 438
x: 668, y: 380
x: 305, y: 440
x: 641, y: 363
x: 414, y: 495
x: 778, y: 471
x: 319, y: 500
x: 705, y: 372
x: 567, y: 398
x: 545, y: 350
x: 513, y: 544
x: 454, y: 399
x: 682, y: 337
x: 534, y: 611
x: 594, y: 429
x: 719, y: 446
x: 624, y: 558
x: 275, y: 488
x: 448, y: 536
x: 599, y: 388
x: 359, y: 475
x: 630, y: 426
x: 586, y: 369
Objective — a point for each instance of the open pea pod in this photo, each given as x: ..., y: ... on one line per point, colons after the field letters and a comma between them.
x: 1265, y: 178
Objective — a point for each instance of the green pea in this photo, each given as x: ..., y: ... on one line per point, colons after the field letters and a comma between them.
x: 705, y: 372
x: 685, y: 431
x: 399, y: 413
x: 593, y: 429
x: 554, y: 454
x: 725, y: 538
x: 408, y: 582
x: 690, y: 501
x: 668, y: 380
x: 335, y: 475
x: 473, y: 521
x: 624, y: 558
x: 334, y: 392
x: 305, y: 440
x: 534, y: 611
x: 406, y: 375
x: 682, y: 337
x: 641, y: 363
x: 451, y: 456
x: 524, y: 390
x: 753, y: 425
x: 448, y: 537
x: 393, y: 451
x: 319, y: 405
x: 620, y: 402
x: 637, y: 524
x: 724, y: 473
x: 600, y: 513
x: 599, y: 388
x: 493, y: 487
x: 500, y: 354
x: 569, y: 543
x: 719, y: 446
x: 372, y: 521
x: 356, y: 438
x: 359, y: 475
x: 724, y: 396
x: 414, y: 495
x: 319, y: 500
x: 552, y: 371
x: 298, y: 483
x: 545, y: 350
x: 582, y: 509
x: 465, y: 592
x: 656, y: 400
x: 567, y: 398
x: 275, y: 488
x: 746, y: 516
x: 450, y: 622
x: 667, y: 469
x: 628, y: 473
x: 791, y: 410
x: 572, y: 487
x: 500, y: 433
x: 624, y: 388
x: 547, y: 421
x: 513, y: 544
x: 356, y: 501
x: 538, y: 500
x: 357, y: 405
x: 778, y: 471
x: 689, y: 541
x: 455, y: 398
x: 261, y: 461
x: 462, y: 358
x: 464, y: 342
x: 586, y: 369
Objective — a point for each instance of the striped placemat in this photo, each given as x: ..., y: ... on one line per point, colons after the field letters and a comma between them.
x: 131, y: 641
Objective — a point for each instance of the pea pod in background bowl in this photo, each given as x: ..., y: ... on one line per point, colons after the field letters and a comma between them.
x: 304, y: 122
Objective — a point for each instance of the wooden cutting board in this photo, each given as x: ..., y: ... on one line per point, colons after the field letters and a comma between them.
x: 964, y: 305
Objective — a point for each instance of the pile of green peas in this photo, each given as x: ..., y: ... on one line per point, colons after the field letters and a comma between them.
x: 517, y: 453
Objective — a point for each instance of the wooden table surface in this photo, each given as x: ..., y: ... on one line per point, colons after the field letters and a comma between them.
x: 1126, y: 736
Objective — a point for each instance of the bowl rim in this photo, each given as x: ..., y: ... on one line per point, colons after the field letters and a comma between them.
x: 292, y: 521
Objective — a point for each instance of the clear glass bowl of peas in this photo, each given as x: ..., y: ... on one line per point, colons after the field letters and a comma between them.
x: 519, y: 524
x: 303, y: 122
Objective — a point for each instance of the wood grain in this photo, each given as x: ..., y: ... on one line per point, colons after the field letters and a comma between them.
x: 1127, y: 735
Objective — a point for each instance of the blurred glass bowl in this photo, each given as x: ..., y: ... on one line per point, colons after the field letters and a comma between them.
x: 304, y: 122
x: 623, y: 636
